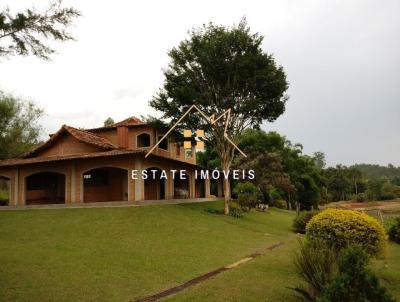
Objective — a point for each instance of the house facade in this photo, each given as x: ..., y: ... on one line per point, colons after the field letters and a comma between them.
x: 95, y: 165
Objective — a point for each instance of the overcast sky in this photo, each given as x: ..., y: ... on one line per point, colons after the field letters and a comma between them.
x: 342, y: 59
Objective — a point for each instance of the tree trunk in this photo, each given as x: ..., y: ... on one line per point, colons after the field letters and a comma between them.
x: 227, y: 195
x: 227, y: 184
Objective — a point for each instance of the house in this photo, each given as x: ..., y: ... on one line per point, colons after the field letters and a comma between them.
x: 96, y: 165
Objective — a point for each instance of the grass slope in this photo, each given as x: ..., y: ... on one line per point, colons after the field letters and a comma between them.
x: 119, y: 254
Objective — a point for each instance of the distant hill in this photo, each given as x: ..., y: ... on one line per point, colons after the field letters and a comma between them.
x: 377, y: 171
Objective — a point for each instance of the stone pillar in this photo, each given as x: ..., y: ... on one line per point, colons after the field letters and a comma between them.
x: 138, y: 181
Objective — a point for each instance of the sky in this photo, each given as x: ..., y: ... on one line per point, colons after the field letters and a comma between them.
x: 342, y: 60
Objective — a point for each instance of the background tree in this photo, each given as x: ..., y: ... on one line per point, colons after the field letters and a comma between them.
x: 339, y: 181
x: 281, y: 168
x: 319, y: 159
x: 262, y: 150
x: 108, y: 122
x: 219, y: 68
x: 355, y: 176
x: 19, y: 128
x: 24, y: 33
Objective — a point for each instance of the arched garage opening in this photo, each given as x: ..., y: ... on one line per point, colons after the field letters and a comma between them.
x: 45, y: 188
x: 181, y: 186
x: 4, y: 191
x: 200, y: 188
x: 105, y: 184
x: 154, y: 185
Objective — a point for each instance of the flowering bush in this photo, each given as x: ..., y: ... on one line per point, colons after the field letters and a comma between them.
x: 341, y: 228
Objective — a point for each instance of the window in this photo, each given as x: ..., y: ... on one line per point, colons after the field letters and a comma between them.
x: 178, y: 149
x: 164, y: 143
x: 143, y: 140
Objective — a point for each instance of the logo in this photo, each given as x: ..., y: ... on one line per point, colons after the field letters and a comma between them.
x: 212, y: 120
x: 199, y: 143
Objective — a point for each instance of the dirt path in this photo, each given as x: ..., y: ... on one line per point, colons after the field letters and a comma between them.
x: 202, y: 278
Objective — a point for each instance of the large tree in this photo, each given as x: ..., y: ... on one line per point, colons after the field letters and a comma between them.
x: 19, y: 128
x: 23, y: 33
x: 219, y: 68
x: 281, y: 164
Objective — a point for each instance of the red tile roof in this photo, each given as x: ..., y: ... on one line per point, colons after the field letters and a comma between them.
x: 34, y: 160
x: 85, y: 136
x: 132, y: 121
x: 25, y: 161
x: 81, y: 135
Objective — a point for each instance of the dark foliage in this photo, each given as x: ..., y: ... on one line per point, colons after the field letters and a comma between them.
x: 354, y: 282
x: 301, y: 220
x: 394, y: 230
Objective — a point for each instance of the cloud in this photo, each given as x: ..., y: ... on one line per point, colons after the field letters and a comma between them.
x: 341, y: 57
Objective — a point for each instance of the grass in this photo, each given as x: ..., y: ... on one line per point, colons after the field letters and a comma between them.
x: 388, y: 269
x: 120, y: 254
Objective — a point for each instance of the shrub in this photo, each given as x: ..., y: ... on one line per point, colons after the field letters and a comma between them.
x: 300, y: 222
x: 354, y: 282
x: 394, y: 230
x: 214, y: 211
x: 279, y: 203
x: 247, y: 195
x: 236, y: 212
x: 341, y: 228
x: 315, y: 263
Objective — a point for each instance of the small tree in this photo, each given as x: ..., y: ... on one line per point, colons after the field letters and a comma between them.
x: 108, y: 122
x: 220, y: 68
x: 23, y: 33
x: 247, y: 195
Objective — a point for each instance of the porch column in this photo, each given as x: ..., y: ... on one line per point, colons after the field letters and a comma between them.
x: 207, y: 187
x: 192, y: 185
x: 170, y: 184
x: 138, y: 181
x: 73, y: 182
x: 131, y: 186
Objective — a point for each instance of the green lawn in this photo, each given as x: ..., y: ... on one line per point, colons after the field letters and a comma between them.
x: 119, y: 254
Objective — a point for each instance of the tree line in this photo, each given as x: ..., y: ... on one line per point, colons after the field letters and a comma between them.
x: 285, y: 175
